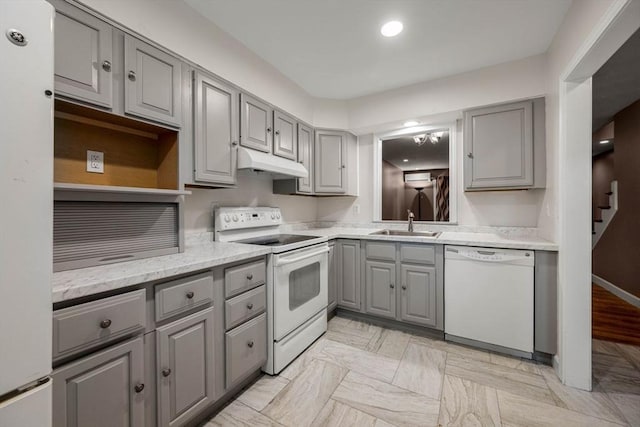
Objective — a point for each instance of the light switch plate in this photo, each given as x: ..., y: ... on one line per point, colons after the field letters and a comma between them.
x: 95, y: 161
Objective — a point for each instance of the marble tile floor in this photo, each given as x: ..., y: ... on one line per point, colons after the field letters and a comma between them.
x: 359, y: 374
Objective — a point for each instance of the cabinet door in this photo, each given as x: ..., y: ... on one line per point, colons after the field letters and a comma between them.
x: 105, y: 389
x: 83, y: 57
x: 285, y: 136
x: 332, y: 291
x: 419, y: 298
x: 348, y: 283
x: 380, y: 284
x: 499, y: 146
x: 305, y: 157
x: 185, y: 367
x: 256, y: 124
x: 215, y: 130
x: 330, y: 162
x: 153, y: 82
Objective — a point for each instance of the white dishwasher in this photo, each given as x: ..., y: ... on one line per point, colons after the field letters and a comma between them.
x: 488, y: 297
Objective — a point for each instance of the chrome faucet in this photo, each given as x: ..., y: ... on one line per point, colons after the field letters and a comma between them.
x: 410, y: 219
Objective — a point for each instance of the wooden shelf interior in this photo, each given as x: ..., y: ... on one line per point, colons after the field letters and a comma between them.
x: 136, y: 154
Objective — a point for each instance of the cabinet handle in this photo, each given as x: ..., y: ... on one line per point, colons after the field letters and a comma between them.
x: 470, y: 155
x: 190, y: 294
x: 249, y: 276
x: 234, y: 143
x: 277, y: 132
x: 392, y: 286
x: 250, y: 306
x: 132, y: 76
x: 105, y: 323
x: 268, y: 130
x: 343, y: 167
x: 301, y: 162
x: 106, y: 65
x: 166, y: 372
x: 139, y: 387
x: 250, y: 344
x: 404, y: 287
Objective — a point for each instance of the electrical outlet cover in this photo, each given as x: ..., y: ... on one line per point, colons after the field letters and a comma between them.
x: 95, y: 161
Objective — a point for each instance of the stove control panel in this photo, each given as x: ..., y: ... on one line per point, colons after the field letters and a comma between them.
x: 240, y: 218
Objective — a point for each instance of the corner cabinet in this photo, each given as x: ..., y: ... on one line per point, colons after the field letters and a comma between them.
x: 333, y: 289
x: 106, y: 388
x: 504, y: 146
x: 336, y: 163
x: 153, y: 82
x: 215, y: 130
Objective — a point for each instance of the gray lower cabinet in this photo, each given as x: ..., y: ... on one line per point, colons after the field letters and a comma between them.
x: 215, y: 130
x: 504, y: 146
x: 348, y: 274
x: 418, y: 298
x: 285, y: 135
x: 246, y: 349
x: 185, y: 365
x: 153, y: 82
x: 105, y: 389
x: 83, y: 56
x: 333, y: 290
x: 380, y: 280
x: 256, y: 124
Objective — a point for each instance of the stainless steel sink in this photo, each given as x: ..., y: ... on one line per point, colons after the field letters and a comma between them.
x: 406, y: 233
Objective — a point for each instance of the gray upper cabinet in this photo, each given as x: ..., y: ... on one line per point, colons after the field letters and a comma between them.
x: 153, y: 82
x: 104, y: 389
x: 83, y: 57
x: 380, y: 279
x: 419, y: 296
x: 332, y: 291
x: 256, y: 124
x: 504, y: 146
x: 285, y: 136
x: 330, y: 162
x: 185, y: 367
x: 215, y: 130
x: 348, y: 274
x: 305, y: 157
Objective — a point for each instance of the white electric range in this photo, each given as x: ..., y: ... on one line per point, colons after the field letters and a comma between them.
x: 297, y: 279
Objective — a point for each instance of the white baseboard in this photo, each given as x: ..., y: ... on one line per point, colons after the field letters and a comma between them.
x: 621, y: 293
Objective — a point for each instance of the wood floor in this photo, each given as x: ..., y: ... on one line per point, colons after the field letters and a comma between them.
x: 613, y: 318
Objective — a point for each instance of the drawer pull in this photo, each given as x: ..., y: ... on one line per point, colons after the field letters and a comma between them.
x: 132, y: 75
x: 105, y: 323
x: 139, y: 387
x: 190, y: 294
x: 250, y: 306
x: 249, y: 276
x: 392, y: 286
x: 166, y: 372
x: 404, y: 287
x: 250, y: 344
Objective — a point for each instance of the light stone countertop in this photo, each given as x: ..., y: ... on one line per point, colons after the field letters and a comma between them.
x: 491, y: 240
x: 72, y: 284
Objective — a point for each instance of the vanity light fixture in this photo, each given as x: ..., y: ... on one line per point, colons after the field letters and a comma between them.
x: 391, y: 28
x: 410, y: 123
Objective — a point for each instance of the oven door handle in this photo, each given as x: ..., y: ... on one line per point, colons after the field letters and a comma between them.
x: 285, y: 261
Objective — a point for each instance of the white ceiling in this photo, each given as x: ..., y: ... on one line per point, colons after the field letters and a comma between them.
x: 420, y: 157
x: 334, y: 49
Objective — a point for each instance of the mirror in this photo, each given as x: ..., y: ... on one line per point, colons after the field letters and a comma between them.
x: 415, y: 175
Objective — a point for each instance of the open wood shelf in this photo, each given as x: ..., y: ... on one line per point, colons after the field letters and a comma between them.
x: 137, y: 155
x: 117, y: 189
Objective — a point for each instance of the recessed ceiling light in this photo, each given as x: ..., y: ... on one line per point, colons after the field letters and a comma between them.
x: 410, y: 123
x: 605, y: 141
x: 391, y: 28
x: 405, y: 160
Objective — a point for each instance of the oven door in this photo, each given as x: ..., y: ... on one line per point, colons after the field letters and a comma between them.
x: 300, y: 287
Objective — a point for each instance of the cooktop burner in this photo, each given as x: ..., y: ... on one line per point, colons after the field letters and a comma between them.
x: 277, y: 240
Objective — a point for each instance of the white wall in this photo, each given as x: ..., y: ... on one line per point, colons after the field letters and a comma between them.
x: 253, y: 190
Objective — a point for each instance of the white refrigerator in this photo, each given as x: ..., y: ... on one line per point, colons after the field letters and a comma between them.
x: 26, y: 211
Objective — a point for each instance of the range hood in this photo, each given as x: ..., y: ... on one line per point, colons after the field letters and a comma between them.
x: 279, y: 167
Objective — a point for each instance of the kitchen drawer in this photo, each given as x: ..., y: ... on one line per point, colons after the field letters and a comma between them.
x: 89, y: 325
x: 244, y: 306
x: 244, y: 277
x: 246, y: 349
x: 377, y: 250
x: 419, y: 254
x: 180, y: 295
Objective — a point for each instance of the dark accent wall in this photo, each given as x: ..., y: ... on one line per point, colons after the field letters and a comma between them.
x: 392, y: 191
x: 616, y: 257
x: 603, y: 174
